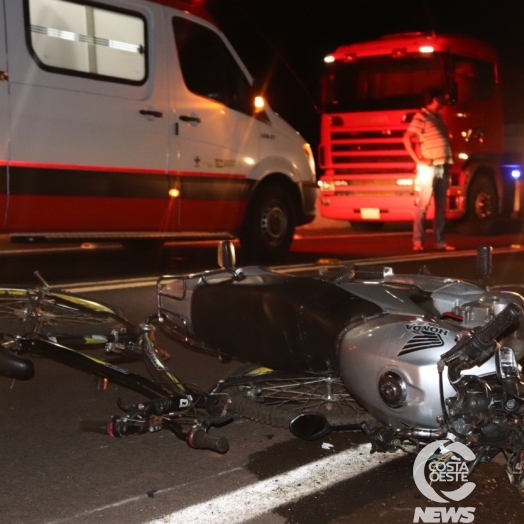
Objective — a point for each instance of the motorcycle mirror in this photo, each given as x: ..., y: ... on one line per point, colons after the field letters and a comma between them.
x: 508, y: 373
x: 310, y: 426
x: 226, y: 255
x: 506, y: 362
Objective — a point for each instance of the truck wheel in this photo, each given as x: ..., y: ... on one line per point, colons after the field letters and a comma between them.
x: 269, y: 224
x: 482, y: 206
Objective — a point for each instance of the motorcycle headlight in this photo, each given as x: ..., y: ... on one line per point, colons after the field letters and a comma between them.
x: 392, y: 389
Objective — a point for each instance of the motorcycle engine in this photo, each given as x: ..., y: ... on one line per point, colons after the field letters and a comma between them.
x: 480, y: 311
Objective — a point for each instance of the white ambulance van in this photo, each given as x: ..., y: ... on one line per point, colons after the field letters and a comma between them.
x: 135, y: 119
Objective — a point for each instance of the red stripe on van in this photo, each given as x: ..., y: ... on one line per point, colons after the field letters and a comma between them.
x: 76, y: 167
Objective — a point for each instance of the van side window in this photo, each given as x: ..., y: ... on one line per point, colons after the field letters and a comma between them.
x: 208, y: 67
x: 76, y: 38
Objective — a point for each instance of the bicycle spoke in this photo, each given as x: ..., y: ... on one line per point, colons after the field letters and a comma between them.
x: 312, y: 394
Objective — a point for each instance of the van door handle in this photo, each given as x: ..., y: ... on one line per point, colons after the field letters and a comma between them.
x: 186, y: 118
x: 149, y: 112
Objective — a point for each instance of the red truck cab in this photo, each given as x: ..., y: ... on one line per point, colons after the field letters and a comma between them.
x: 370, y: 93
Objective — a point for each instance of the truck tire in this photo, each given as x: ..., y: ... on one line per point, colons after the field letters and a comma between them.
x: 269, y: 224
x: 482, y: 207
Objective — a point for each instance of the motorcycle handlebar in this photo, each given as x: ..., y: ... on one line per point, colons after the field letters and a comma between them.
x: 101, y: 427
x: 496, y: 326
x: 480, y: 345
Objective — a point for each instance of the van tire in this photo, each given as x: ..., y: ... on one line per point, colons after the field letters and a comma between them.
x: 269, y: 224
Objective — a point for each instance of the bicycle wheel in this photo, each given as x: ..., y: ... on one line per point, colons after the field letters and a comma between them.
x: 24, y: 311
x: 276, y: 401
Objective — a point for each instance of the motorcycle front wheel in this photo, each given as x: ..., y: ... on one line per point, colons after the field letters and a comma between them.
x: 275, y: 399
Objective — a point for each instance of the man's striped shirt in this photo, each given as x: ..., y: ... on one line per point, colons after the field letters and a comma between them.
x: 433, y: 136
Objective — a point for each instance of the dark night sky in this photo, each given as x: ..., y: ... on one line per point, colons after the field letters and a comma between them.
x: 271, y: 35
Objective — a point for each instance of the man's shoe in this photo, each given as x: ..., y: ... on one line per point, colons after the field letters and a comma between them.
x: 417, y: 246
x: 446, y: 247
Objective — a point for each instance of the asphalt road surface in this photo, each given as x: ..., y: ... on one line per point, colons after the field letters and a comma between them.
x: 54, y: 473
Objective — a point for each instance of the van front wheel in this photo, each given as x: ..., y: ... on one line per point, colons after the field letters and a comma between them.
x: 269, y: 224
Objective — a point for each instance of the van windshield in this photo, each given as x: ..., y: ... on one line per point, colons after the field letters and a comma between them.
x: 380, y: 83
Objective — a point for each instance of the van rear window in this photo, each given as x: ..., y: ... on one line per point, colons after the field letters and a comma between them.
x: 86, y: 39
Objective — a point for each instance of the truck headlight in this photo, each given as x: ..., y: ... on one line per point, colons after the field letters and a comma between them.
x: 392, y: 389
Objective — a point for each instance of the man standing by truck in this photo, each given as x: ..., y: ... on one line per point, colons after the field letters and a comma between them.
x: 427, y: 142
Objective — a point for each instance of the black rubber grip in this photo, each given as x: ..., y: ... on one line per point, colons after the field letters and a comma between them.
x: 14, y: 366
x: 94, y: 426
x: 199, y: 439
x: 496, y: 326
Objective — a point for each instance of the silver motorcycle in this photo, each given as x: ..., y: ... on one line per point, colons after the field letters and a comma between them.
x: 406, y: 359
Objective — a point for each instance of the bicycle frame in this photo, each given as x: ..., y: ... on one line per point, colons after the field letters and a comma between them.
x: 81, y: 361
x: 47, y: 322
x: 170, y: 399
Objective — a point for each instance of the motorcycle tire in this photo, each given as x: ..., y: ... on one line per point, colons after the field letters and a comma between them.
x: 277, y: 401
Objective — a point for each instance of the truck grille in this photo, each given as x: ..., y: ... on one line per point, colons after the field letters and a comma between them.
x: 370, y: 153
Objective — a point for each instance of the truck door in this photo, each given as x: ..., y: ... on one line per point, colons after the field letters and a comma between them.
x: 88, y: 115
x: 478, y: 114
x: 214, y: 138
x: 4, y: 117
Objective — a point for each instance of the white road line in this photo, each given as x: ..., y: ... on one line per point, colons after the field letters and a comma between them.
x: 131, y: 500
x: 109, y: 285
x: 265, y: 496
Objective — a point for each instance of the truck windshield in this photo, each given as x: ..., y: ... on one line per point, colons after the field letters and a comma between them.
x: 380, y: 83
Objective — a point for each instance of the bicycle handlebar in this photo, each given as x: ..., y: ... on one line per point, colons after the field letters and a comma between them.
x: 196, y: 438
x: 199, y: 439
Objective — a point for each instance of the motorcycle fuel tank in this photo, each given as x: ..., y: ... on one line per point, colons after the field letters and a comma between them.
x: 390, y: 366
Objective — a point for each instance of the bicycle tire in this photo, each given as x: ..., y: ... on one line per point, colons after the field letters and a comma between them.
x: 279, y: 400
x: 59, y: 313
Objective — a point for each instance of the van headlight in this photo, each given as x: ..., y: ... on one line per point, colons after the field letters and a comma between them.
x: 392, y: 389
x: 310, y: 158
